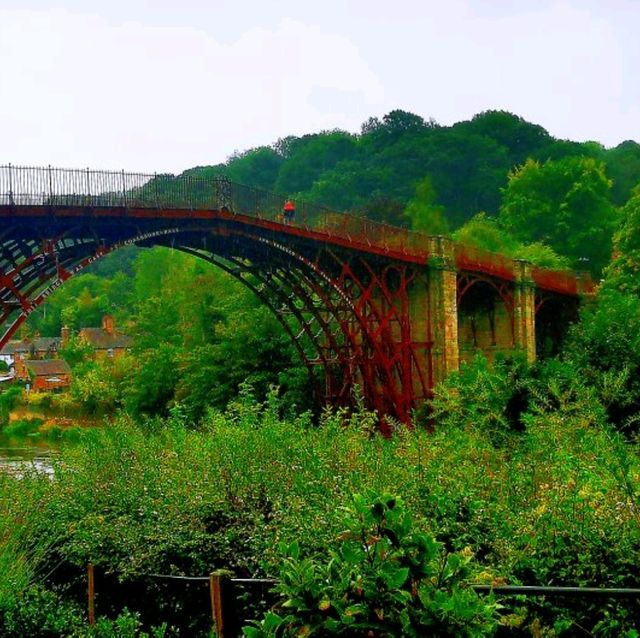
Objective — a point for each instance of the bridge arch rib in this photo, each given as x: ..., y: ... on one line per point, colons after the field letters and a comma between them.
x: 340, y: 315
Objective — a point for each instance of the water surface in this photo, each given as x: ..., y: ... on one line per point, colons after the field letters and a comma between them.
x: 18, y: 456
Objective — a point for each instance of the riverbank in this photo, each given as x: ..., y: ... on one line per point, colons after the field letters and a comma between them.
x: 39, y: 416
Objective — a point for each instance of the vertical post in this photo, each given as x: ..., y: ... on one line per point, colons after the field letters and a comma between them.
x: 215, y: 591
x: 443, y: 307
x: 11, y: 201
x: 524, y: 309
x: 50, y: 186
x: 91, y: 594
x: 124, y: 190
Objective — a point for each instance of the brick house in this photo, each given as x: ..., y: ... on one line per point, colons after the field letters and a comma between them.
x: 106, y: 341
x: 16, y: 353
x: 48, y: 374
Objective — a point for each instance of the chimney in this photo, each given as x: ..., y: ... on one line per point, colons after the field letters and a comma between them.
x: 107, y: 324
x: 64, y: 335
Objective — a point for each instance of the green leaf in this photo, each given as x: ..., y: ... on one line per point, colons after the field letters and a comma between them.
x: 396, y: 576
x: 271, y: 621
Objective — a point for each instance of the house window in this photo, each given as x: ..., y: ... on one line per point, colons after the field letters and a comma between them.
x: 110, y: 352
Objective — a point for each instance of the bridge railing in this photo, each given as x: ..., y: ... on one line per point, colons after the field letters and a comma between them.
x: 58, y: 187
x: 85, y: 187
x: 476, y: 259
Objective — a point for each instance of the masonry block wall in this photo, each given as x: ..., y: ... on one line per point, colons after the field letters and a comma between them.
x: 443, y: 308
x: 487, y: 329
x: 484, y: 320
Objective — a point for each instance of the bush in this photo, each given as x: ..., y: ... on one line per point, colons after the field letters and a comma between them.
x: 605, y: 348
x: 38, y: 612
x: 385, y: 578
x: 487, y: 398
x: 8, y: 400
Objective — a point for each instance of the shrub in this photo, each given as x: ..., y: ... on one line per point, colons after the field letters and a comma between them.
x: 487, y: 398
x: 38, y: 612
x: 8, y: 400
x: 605, y: 347
x: 385, y: 578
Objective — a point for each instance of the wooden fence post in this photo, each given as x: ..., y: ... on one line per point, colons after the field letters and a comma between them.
x: 91, y: 594
x: 215, y: 590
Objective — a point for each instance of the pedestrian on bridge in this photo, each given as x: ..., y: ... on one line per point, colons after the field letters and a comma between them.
x: 288, y: 212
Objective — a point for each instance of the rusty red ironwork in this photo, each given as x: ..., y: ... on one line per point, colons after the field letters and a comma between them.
x: 340, y: 285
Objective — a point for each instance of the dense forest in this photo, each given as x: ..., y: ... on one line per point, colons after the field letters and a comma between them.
x: 407, y: 171
x: 214, y: 454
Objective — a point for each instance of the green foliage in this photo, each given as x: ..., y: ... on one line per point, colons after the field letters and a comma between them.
x: 163, y: 497
x: 76, y: 351
x: 96, y: 384
x: 468, y: 163
x: 521, y: 138
x: 489, y: 399
x: 623, y: 167
x: 258, y: 167
x: 41, y: 613
x: 21, y: 427
x: 384, y: 577
x: 605, y: 347
x: 623, y: 274
x: 85, y: 299
x: 542, y: 255
x: 423, y: 213
x: 198, y: 335
x: 565, y: 204
x: 8, y: 399
x: 487, y: 234
x: 310, y: 155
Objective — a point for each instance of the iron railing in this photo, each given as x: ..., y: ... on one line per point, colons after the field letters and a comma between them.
x: 58, y: 187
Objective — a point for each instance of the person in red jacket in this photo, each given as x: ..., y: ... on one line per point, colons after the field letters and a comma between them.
x: 288, y: 212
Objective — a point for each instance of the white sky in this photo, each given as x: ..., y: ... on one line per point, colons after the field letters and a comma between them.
x: 166, y: 85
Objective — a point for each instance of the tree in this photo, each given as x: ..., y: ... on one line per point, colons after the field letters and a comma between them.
x: 258, y: 167
x: 310, y: 156
x: 76, y: 351
x: 423, y: 212
x: 623, y: 167
x: 485, y: 233
x: 565, y: 204
x: 623, y: 274
x: 521, y: 138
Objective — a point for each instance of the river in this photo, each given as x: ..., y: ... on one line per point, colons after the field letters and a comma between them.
x: 20, y: 455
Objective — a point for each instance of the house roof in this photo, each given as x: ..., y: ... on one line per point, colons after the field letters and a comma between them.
x: 47, y: 367
x: 40, y: 344
x: 100, y: 339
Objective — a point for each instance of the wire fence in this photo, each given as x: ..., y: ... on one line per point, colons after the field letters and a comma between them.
x: 235, y: 602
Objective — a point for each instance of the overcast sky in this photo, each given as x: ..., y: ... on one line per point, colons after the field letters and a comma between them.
x: 164, y: 85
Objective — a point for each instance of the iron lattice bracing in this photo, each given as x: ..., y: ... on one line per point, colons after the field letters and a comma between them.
x: 359, y: 299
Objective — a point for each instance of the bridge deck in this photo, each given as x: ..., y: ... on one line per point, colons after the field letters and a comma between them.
x: 46, y: 193
x: 369, y: 237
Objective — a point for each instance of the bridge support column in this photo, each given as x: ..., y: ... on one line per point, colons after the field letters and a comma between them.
x: 524, y: 323
x: 443, y: 307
